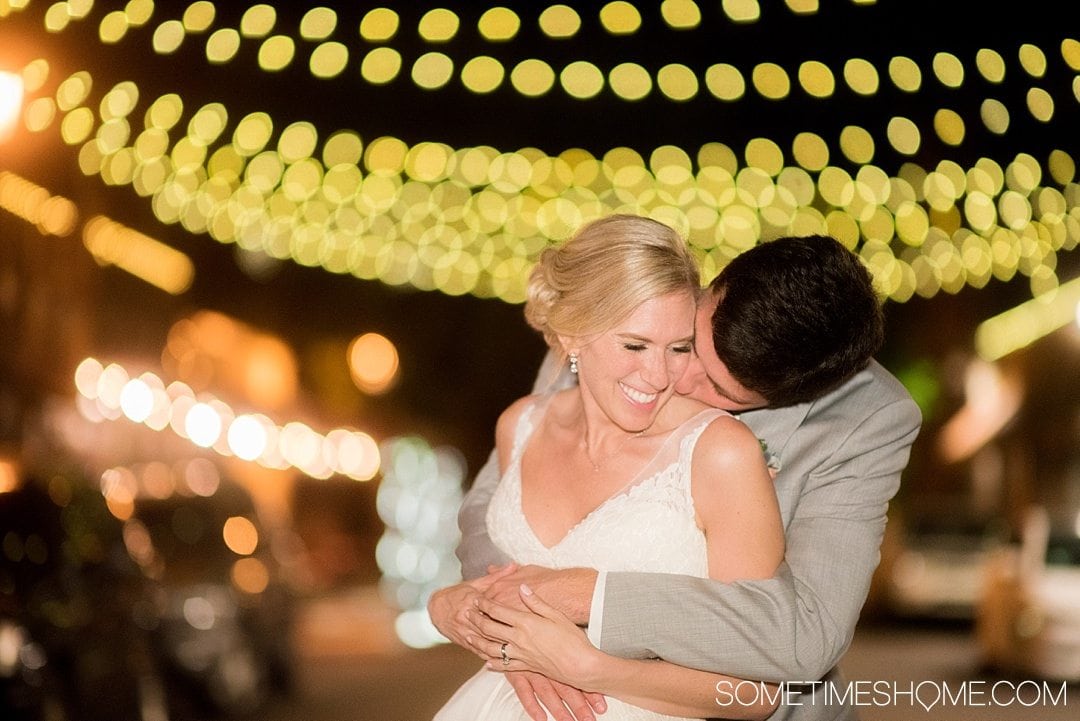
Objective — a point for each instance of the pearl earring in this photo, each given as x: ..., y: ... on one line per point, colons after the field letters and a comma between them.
x: 573, y: 363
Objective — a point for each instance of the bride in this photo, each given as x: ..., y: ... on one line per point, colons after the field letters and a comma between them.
x: 620, y: 474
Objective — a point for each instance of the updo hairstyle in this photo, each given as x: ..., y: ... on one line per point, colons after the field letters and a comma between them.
x: 603, y: 273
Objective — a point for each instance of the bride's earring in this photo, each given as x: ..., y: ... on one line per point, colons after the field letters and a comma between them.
x: 573, y: 363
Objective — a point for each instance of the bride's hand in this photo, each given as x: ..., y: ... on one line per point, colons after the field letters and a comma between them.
x: 450, y: 608
x: 541, y: 639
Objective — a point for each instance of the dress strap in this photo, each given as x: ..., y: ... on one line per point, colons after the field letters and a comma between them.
x: 692, y: 431
x: 526, y: 425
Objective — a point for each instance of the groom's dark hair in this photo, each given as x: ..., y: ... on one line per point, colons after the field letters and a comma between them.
x: 796, y: 318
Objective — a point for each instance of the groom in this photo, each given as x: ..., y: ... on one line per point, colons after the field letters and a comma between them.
x: 785, y: 338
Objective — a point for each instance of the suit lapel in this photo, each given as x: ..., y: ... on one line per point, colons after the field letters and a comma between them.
x: 776, y: 425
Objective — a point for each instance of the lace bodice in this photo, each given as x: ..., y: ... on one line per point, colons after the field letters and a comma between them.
x: 647, y: 526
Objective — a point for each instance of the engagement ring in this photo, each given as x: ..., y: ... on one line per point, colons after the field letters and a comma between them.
x: 502, y: 650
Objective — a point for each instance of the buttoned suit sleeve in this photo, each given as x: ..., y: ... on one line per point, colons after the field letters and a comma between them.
x: 475, y: 550
x: 797, y: 625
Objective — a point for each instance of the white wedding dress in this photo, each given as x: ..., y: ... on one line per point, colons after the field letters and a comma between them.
x: 647, y: 526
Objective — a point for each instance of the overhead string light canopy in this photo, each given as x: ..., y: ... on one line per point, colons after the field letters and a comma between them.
x: 443, y: 147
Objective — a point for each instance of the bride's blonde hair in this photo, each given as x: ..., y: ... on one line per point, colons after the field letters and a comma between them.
x: 607, y: 269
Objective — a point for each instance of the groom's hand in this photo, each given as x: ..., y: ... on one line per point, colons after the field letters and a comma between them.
x: 570, y: 590
x: 565, y: 703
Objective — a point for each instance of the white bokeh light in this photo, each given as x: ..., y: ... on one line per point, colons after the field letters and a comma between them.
x: 247, y: 437
x: 202, y: 425
x: 137, y: 400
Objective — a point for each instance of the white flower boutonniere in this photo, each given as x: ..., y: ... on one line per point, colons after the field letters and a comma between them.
x: 772, y: 460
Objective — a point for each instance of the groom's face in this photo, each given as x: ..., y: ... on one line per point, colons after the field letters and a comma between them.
x: 707, y: 379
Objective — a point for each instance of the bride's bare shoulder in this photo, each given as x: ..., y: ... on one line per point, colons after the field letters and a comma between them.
x: 559, y: 405
x: 680, y: 409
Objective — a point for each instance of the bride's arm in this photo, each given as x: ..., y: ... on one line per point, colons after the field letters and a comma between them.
x: 737, y: 508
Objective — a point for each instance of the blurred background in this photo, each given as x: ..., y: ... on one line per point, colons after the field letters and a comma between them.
x: 261, y: 267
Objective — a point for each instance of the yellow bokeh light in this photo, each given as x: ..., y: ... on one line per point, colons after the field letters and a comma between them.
x: 532, y: 77
x: 771, y: 81
x: 298, y: 141
x: 168, y: 36
x: 810, y: 151
x: 373, y: 362
x: 677, y: 82
x: 120, y: 101
x: 73, y: 91
x: 379, y: 25
x: 77, y: 126
x: 905, y: 74
x: 165, y: 112
x: 582, y: 80
x: 817, y: 79
x: 725, y: 81
x: 342, y: 148
x: 620, y: 18
x: 742, y: 11
x: 385, y: 156
x: 681, y: 14
x: 1062, y: 167
x: 949, y: 126
x: 630, y: 81
x: 499, y: 24
x: 381, y: 65
x: 35, y: 74
x: 40, y: 114
x: 1033, y: 60
x: 766, y: 155
x: 432, y: 70
x: 1070, y: 53
x: 113, y: 27
x: 948, y: 69
x: 223, y: 45
x: 857, y: 144
x: 258, y: 21
x: 318, y: 23
x: 253, y: 133
x: 139, y: 12
x: 57, y: 17
x: 995, y: 116
x: 560, y: 21
x: 861, y: 76
x: 1040, y: 104
x: 329, y: 60
x: 276, y: 53
x: 439, y: 25
x: 199, y: 16
x: 904, y: 136
x: 990, y: 64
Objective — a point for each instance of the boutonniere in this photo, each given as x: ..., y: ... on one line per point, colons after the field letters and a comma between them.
x: 772, y: 460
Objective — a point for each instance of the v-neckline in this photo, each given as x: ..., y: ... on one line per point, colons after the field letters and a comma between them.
x: 620, y: 492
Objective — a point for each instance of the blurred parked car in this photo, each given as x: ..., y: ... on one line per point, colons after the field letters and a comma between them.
x: 937, y: 567
x: 220, y: 614
x: 70, y: 649
x: 1028, y: 619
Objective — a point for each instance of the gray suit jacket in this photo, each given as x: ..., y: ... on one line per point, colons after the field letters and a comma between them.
x: 841, y: 459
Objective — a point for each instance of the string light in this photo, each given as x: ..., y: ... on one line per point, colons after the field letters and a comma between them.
x: 472, y: 220
x: 108, y: 392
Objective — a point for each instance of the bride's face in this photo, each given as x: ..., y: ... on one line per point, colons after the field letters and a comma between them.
x: 630, y: 371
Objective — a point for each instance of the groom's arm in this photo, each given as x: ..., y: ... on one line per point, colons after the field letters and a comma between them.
x: 475, y: 550
x: 797, y: 625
